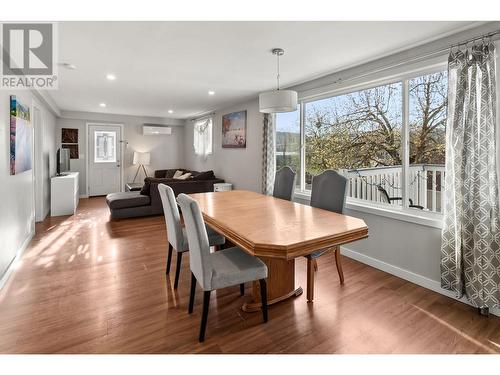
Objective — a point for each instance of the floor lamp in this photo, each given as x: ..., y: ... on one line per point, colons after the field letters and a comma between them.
x: 141, y: 159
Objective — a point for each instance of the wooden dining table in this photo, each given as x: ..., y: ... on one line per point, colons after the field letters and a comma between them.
x: 277, y: 231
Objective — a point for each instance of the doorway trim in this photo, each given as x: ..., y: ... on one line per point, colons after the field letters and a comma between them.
x: 87, y: 159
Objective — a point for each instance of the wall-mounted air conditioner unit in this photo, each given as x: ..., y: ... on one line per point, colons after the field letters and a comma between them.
x: 148, y: 129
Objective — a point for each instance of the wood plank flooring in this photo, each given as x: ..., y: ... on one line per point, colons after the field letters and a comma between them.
x: 88, y: 285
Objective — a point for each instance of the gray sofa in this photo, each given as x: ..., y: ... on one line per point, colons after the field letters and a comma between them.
x: 147, y: 202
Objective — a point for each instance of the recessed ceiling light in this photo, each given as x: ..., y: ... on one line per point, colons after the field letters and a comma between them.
x: 103, y: 105
x: 110, y: 77
x: 211, y: 92
x: 170, y: 111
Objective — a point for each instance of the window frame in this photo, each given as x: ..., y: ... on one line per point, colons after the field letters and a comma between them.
x: 403, y: 212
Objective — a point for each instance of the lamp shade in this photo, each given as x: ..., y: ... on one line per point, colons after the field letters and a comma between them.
x: 141, y: 158
x: 278, y: 101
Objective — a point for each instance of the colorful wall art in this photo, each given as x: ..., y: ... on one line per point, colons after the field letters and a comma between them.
x: 234, y: 130
x: 20, y: 136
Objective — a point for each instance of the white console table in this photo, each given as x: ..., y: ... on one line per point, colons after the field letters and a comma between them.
x: 64, y: 195
x: 223, y: 186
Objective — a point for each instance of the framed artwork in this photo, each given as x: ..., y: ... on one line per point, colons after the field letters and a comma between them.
x: 73, y: 150
x: 234, y: 130
x: 69, y: 140
x: 20, y: 136
x: 69, y: 135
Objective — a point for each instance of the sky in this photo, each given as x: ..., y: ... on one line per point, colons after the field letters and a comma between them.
x: 289, y: 121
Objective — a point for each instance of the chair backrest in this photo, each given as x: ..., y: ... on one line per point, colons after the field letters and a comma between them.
x: 199, y: 249
x: 172, y: 217
x: 284, y: 183
x: 329, y: 191
x: 383, y: 194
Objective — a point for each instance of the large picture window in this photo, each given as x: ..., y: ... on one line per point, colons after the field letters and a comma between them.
x: 288, y: 142
x: 362, y: 134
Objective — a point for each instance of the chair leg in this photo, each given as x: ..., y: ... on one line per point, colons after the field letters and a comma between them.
x: 191, y: 293
x: 263, y: 297
x: 242, y: 289
x: 204, y: 316
x: 339, y: 264
x: 178, y: 269
x: 310, y: 279
x: 169, y: 258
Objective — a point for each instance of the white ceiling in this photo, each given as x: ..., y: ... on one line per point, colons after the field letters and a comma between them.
x: 173, y: 65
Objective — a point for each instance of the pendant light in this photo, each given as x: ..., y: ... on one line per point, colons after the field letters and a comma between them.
x: 277, y: 101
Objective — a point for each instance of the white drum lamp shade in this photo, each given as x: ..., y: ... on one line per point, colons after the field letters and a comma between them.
x: 278, y: 101
x: 141, y: 158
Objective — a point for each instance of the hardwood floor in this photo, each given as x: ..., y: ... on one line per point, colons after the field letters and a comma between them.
x: 87, y: 285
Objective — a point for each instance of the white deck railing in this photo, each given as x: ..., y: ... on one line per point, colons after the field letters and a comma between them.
x: 426, y: 183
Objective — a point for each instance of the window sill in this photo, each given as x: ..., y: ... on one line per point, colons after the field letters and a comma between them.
x: 428, y: 219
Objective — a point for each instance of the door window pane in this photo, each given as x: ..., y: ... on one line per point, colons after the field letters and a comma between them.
x: 358, y: 134
x: 105, y: 146
x: 288, y: 142
x: 427, y: 123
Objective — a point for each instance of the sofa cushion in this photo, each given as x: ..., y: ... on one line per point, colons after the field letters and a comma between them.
x: 147, y: 185
x: 184, y: 176
x: 208, y: 175
x: 178, y: 173
x: 127, y: 200
x: 165, y: 173
x: 160, y: 173
x: 146, y: 188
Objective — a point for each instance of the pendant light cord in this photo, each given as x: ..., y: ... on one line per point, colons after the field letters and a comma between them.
x: 278, y: 75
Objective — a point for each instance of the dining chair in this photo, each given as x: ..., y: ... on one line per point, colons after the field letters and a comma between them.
x: 284, y: 182
x: 329, y: 193
x: 221, y: 269
x: 176, y: 234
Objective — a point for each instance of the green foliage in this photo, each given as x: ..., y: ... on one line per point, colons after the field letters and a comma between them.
x: 363, y: 129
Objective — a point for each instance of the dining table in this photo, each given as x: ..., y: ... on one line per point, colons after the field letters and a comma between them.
x: 277, y: 231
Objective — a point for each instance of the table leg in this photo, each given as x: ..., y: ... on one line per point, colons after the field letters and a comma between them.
x: 280, y: 284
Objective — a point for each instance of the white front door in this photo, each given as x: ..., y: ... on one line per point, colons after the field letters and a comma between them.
x: 104, y: 169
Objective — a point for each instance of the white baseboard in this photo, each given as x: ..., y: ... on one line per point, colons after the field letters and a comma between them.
x: 83, y: 196
x: 406, y: 275
x: 11, y: 266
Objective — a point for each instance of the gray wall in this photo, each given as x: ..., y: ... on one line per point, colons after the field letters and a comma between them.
x: 241, y: 167
x: 17, y: 206
x: 411, y: 247
x: 166, y: 150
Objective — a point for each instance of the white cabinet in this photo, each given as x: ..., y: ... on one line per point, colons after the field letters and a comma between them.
x: 223, y: 186
x: 64, y: 195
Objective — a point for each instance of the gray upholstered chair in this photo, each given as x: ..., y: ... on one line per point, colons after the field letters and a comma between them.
x: 284, y: 183
x: 329, y: 193
x: 220, y: 269
x: 177, y: 237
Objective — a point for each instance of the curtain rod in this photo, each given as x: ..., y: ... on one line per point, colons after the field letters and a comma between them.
x: 202, y: 117
x: 492, y: 36
x: 481, y: 37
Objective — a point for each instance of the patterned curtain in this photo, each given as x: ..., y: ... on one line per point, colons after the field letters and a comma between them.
x: 470, y: 250
x: 268, y: 157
